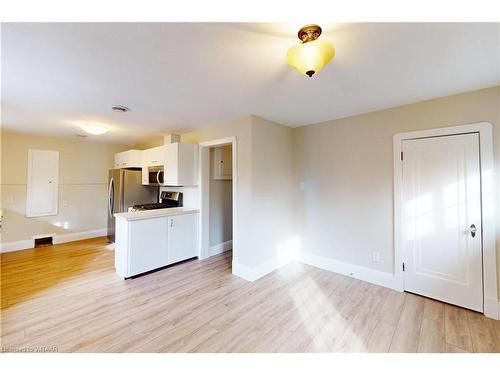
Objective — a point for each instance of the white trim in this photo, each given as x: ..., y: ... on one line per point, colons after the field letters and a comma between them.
x: 255, y: 273
x: 7, y: 247
x: 369, y: 275
x: 220, y: 248
x: 485, y: 131
x: 384, y: 279
x: 70, y: 237
x: 492, y: 308
x: 204, y: 191
x: 37, y: 236
x: 218, y: 142
x: 57, y: 239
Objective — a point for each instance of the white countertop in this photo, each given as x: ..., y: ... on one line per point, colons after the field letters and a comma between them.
x: 138, y: 215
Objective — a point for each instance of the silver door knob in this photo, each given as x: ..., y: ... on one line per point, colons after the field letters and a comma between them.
x: 473, y: 230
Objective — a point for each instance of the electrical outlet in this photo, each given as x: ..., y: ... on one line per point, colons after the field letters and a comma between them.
x: 376, y: 257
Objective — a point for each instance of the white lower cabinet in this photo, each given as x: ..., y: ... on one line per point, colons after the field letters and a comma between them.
x: 143, y: 245
x: 182, y: 240
x: 147, y: 245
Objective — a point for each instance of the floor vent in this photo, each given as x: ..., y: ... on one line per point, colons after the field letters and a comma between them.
x: 43, y: 241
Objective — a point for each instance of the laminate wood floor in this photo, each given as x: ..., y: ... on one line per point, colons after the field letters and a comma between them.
x: 68, y: 298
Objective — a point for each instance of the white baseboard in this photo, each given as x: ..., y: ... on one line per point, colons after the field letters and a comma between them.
x: 384, y: 279
x: 220, y: 248
x: 70, y: 237
x: 7, y: 247
x: 42, y: 235
x: 59, y: 238
x: 492, y: 308
x: 254, y: 273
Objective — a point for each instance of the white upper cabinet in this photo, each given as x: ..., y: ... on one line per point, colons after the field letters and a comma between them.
x: 42, y: 183
x: 153, y: 156
x: 118, y: 160
x: 178, y: 160
x: 128, y: 159
x: 223, y: 163
x: 181, y: 164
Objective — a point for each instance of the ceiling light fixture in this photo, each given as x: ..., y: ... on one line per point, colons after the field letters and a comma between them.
x: 312, y: 54
x: 94, y: 129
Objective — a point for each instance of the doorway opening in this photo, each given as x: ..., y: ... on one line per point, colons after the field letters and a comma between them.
x: 220, y: 200
x: 218, y: 175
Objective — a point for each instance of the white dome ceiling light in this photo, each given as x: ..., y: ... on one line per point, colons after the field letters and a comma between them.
x: 94, y: 129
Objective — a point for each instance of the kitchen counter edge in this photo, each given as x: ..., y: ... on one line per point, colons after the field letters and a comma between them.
x: 138, y: 215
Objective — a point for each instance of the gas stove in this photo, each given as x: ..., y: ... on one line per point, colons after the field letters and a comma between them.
x: 151, y: 206
x: 167, y: 199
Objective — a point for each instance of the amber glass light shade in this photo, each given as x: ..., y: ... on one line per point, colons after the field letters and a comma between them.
x: 310, y: 56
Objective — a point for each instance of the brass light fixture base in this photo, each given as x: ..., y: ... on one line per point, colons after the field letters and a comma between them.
x: 309, y: 33
x: 310, y: 58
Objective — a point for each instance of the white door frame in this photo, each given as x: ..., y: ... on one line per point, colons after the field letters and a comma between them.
x: 204, y: 169
x: 488, y: 209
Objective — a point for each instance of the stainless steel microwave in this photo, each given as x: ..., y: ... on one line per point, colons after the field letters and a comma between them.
x: 155, y: 176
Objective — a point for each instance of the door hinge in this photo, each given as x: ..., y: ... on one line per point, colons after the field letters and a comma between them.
x: 401, y: 155
x: 404, y: 268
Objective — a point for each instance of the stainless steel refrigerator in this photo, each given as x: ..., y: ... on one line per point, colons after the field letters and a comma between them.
x: 125, y: 189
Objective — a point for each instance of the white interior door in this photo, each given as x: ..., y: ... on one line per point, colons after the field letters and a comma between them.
x: 442, y: 219
x: 42, y: 192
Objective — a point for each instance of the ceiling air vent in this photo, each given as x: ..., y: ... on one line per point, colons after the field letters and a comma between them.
x: 120, y: 108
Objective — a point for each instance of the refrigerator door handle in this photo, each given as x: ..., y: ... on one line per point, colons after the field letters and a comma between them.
x: 111, y: 197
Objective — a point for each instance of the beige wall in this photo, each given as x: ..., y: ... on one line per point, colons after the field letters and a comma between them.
x: 344, y: 212
x: 158, y: 141
x: 221, y: 206
x: 241, y: 129
x: 274, y: 232
x: 83, y: 174
x: 346, y: 168
x: 265, y: 179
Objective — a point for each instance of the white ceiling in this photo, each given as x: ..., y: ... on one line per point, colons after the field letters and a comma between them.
x: 181, y: 76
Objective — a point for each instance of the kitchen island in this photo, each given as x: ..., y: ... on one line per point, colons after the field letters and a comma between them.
x: 151, y: 239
